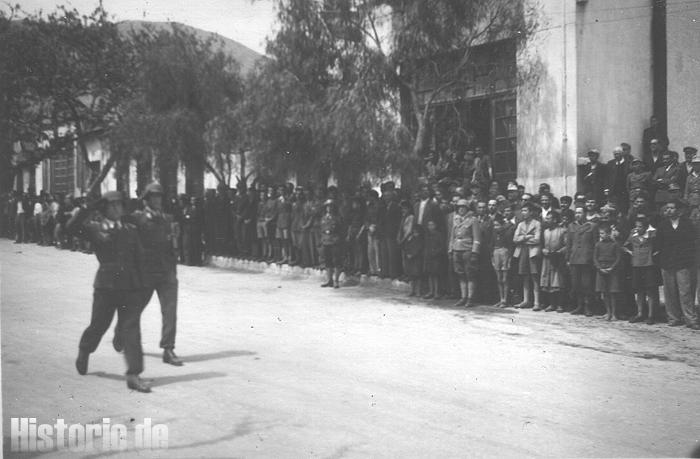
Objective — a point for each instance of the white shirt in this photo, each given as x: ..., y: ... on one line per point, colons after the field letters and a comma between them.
x: 674, y: 223
x: 421, y: 210
x: 20, y: 207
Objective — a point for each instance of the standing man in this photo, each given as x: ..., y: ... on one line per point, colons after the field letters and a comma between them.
x: 686, y: 167
x: 676, y: 245
x: 117, y: 284
x: 464, y: 246
x: 594, y: 176
x: 159, y: 266
x: 654, y: 131
x: 618, y: 170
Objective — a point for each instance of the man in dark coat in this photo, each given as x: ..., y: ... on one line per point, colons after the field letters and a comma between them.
x: 117, y: 285
x: 654, y: 131
x: 686, y: 168
x: 618, y: 169
x: 676, y: 244
x: 594, y: 176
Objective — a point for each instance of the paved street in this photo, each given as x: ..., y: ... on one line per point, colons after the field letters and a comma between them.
x: 278, y: 367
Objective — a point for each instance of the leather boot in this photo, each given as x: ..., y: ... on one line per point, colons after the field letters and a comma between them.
x: 81, y: 363
x: 133, y: 382
x: 170, y: 357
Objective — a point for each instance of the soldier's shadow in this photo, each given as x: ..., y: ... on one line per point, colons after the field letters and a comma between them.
x: 164, y: 380
x: 203, y: 357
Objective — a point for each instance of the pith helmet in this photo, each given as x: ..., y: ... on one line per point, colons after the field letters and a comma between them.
x: 152, y: 188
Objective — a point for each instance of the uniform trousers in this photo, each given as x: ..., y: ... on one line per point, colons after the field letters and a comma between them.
x: 127, y: 304
x: 166, y: 286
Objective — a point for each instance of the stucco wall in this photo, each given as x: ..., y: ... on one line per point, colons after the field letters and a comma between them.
x: 683, y: 67
x: 615, y: 86
x: 547, y: 101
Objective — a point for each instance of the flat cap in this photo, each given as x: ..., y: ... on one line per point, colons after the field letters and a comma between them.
x: 462, y: 203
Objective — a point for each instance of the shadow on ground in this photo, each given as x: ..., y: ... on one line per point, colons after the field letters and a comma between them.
x: 165, y: 380
x: 205, y: 357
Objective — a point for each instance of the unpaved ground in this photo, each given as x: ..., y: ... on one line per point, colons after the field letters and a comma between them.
x: 278, y: 367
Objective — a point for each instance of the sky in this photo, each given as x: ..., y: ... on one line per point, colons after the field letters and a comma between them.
x: 248, y: 22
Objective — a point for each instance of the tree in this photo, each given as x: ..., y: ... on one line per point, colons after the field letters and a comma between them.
x: 183, y: 84
x: 64, y: 76
x: 361, y: 62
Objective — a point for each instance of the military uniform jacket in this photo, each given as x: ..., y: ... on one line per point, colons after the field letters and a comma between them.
x: 330, y: 229
x: 581, y: 242
x: 156, y: 232
x: 464, y: 234
x: 117, y: 247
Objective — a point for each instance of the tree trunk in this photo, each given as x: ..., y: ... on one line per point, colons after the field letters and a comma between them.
x: 95, y: 185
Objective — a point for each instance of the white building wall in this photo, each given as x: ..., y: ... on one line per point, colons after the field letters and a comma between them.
x: 615, y: 84
x: 683, y: 68
x: 547, y: 102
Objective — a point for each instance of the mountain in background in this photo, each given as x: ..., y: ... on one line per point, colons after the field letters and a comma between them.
x: 245, y: 56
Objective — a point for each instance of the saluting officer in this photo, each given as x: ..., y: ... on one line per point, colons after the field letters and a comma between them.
x: 117, y: 283
x: 156, y: 231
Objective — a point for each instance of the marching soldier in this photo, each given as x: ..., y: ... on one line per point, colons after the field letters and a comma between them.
x: 156, y: 231
x: 117, y: 285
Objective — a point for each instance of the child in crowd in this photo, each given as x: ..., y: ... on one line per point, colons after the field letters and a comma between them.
x: 413, y: 258
x: 503, y: 233
x: 646, y: 277
x: 607, y: 261
x: 553, y: 247
x: 434, y: 250
x: 527, y: 241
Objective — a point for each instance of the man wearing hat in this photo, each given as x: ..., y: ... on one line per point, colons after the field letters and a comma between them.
x: 686, y: 168
x: 156, y: 231
x: 665, y: 180
x: 594, y: 176
x: 117, y: 286
x: 618, y: 169
x: 691, y: 192
x: 464, y: 243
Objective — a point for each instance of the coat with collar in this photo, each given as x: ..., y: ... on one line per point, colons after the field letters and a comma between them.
x: 581, y: 242
x: 663, y: 178
x: 431, y: 212
x: 528, y: 238
x: 676, y: 246
x: 617, y: 177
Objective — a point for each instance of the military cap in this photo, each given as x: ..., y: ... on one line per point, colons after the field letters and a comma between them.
x: 692, y: 150
x: 636, y: 160
x: 152, y: 188
x: 512, y: 187
x: 462, y: 203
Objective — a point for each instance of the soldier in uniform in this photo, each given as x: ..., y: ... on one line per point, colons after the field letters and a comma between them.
x: 331, y: 242
x: 117, y: 285
x: 464, y: 245
x: 156, y: 233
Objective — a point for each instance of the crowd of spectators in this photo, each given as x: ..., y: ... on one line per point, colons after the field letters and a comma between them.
x: 634, y: 227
